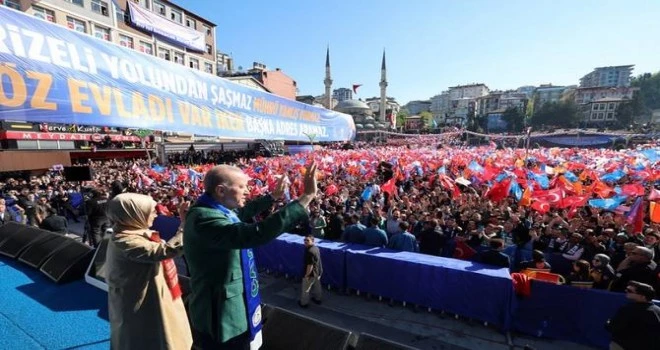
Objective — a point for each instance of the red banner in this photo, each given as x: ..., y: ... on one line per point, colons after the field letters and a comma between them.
x: 54, y: 136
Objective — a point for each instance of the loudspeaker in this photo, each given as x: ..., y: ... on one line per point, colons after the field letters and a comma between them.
x: 15, y: 244
x: 39, y: 251
x: 9, y: 229
x: 78, y: 173
x: 371, y: 342
x: 285, y: 330
x: 68, y: 263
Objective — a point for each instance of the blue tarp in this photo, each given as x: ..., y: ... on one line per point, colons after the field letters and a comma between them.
x: 56, y: 75
x: 285, y: 255
x: 462, y: 287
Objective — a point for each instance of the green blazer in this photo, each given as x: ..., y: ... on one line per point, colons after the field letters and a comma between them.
x: 212, y: 244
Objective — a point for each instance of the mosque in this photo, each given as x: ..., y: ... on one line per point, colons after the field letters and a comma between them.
x: 362, y: 113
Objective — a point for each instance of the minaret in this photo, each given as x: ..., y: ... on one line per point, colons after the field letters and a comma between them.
x: 328, y: 81
x: 383, y: 90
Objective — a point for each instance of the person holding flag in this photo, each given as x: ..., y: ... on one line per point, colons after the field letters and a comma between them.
x: 224, y: 309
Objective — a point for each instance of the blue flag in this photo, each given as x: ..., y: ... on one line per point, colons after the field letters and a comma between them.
x: 607, y: 203
x: 616, y: 175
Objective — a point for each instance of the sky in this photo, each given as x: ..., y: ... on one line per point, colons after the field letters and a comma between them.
x: 434, y: 44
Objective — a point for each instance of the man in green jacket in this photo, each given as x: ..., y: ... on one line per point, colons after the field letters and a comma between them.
x: 224, y: 305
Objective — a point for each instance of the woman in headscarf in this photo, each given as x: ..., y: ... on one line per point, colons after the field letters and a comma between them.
x: 144, y: 297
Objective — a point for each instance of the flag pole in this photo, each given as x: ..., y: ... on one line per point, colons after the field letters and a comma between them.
x: 529, y: 133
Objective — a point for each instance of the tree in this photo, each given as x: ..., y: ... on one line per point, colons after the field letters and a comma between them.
x: 627, y: 111
x: 427, y: 118
x: 559, y: 114
x: 401, y: 117
x: 514, y: 119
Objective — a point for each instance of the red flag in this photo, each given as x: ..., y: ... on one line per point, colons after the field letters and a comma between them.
x: 541, y: 206
x: 552, y: 197
x: 355, y: 87
x: 330, y: 190
x: 632, y: 189
x: 463, y: 251
x: 574, y: 201
x: 388, y: 187
x: 499, y: 191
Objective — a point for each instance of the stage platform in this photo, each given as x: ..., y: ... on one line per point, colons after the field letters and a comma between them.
x: 36, y: 313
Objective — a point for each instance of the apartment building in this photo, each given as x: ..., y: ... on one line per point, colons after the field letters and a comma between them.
x: 179, y: 36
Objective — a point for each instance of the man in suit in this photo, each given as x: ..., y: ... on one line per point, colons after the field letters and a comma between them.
x: 224, y: 305
x: 54, y: 222
x: 494, y: 256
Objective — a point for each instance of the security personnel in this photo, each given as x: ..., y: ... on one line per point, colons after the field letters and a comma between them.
x: 97, y: 220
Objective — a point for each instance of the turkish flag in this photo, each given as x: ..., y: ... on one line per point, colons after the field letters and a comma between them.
x: 574, y: 201
x: 463, y: 251
x: 541, y: 206
x: 552, y: 197
x: 499, y: 191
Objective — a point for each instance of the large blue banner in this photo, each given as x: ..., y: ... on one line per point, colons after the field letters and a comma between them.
x: 52, y: 74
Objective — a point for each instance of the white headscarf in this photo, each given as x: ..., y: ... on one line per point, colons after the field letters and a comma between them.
x: 130, y: 212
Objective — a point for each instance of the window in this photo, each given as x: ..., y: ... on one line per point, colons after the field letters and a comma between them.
x: 176, y: 16
x: 102, y: 33
x: 208, y: 67
x: 76, y: 24
x: 100, y: 6
x: 601, y: 116
x: 15, y: 4
x: 610, y: 116
x: 208, y: 30
x: 178, y: 58
x: 194, y: 63
x: 146, y: 47
x: 611, y: 106
x: 125, y: 41
x: 602, y: 106
x: 43, y: 13
x: 209, y: 49
x: 594, y: 116
x: 595, y: 108
x: 164, y: 53
x: 76, y: 2
x: 190, y: 23
x: 159, y: 8
x: 122, y: 16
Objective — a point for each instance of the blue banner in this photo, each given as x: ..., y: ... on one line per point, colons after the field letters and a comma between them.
x: 52, y: 74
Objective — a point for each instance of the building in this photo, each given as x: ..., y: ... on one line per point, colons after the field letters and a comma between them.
x: 224, y: 64
x: 274, y: 81
x: 613, y: 76
x: 440, y: 107
x: 111, y: 20
x: 458, y: 104
x: 392, y: 107
x: 527, y: 90
x: 599, y: 104
x: 500, y: 101
x: 471, y: 91
x: 342, y: 94
x: 548, y: 93
x: 417, y: 107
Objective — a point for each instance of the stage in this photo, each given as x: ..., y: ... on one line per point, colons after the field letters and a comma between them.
x: 36, y: 313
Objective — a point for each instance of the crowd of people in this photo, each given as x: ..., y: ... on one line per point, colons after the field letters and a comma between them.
x: 586, y: 215
x: 567, y: 210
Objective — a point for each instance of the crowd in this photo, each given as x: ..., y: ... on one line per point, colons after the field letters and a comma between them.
x: 587, y: 215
